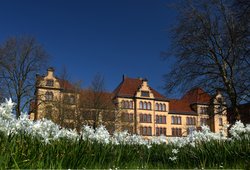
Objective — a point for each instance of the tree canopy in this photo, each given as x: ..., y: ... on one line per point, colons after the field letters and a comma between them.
x: 22, y: 58
x: 211, y: 45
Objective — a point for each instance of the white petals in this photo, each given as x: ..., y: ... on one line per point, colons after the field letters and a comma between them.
x: 49, y: 131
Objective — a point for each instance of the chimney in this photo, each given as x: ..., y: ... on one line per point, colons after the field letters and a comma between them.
x: 124, y: 77
x: 50, y: 72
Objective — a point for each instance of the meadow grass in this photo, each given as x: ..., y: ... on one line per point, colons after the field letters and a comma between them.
x: 22, y: 151
x: 42, y: 144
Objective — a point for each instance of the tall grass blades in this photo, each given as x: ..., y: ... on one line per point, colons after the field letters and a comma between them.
x: 45, y: 145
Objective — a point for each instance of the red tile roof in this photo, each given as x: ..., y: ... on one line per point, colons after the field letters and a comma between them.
x: 179, y: 106
x: 197, y: 95
x: 183, y: 105
x: 129, y: 86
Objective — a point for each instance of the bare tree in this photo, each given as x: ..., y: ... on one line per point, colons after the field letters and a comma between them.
x: 25, y: 57
x: 211, y: 45
x: 97, y: 105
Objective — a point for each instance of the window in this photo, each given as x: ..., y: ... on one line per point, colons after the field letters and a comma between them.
x: 203, y: 110
x: 220, y: 122
x: 145, y: 105
x: 176, y: 132
x: 50, y: 83
x: 149, y: 131
x: 149, y: 106
x: 161, y: 107
x: 172, y: 120
x: 203, y: 121
x: 161, y: 131
x: 160, y: 119
x: 190, y: 121
x: 131, y: 105
x: 146, y: 131
x: 126, y: 117
x: 145, y: 93
x: 164, y: 107
x: 176, y: 120
x: 123, y: 104
x: 149, y: 118
x: 156, y: 106
x: 141, y: 105
x: 145, y: 118
x: 48, y: 96
x: 127, y: 104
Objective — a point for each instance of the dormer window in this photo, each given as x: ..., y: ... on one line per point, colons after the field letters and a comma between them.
x: 48, y: 96
x: 145, y: 93
x: 50, y: 83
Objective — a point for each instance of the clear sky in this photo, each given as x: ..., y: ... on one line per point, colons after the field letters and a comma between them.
x: 111, y: 37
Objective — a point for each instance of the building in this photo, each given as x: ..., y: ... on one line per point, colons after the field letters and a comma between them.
x: 54, y: 95
x: 67, y: 105
x: 145, y: 109
x: 135, y: 107
x: 197, y: 108
x: 151, y: 114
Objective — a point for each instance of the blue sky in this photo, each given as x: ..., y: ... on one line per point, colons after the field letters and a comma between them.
x: 111, y: 37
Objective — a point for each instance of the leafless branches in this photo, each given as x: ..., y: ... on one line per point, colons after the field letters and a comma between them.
x: 23, y: 58
x: 211, y: 44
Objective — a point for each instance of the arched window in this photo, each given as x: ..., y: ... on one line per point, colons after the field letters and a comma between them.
x: 173, y: 120
x: 156, y: 106
x: 164, y: 107
x: 145, y: 105
x: 149, y: 106
x: 131, y: 105
x: 122, y: 104
x: 141, y: 105
x: 48, y: 96
x: 126, y: 104
x: 160, y: 107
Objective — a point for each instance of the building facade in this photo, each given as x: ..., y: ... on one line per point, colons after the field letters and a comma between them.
x: 138, y: 107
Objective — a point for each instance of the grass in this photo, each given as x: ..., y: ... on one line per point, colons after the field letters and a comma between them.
x: 21, y: 151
